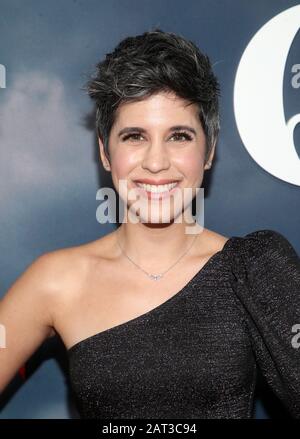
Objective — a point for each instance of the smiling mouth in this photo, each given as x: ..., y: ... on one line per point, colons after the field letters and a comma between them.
x: 157, y: 191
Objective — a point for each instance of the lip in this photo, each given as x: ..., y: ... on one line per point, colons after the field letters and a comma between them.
x: 156, y: 196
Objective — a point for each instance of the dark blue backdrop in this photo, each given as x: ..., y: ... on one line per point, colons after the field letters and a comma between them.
x: 49, y: 168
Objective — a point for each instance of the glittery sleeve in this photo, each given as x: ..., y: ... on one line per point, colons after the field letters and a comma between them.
x: 266, y: 286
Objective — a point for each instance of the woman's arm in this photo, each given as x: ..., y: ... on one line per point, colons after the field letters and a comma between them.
x: 266, y: 284
x: 26, y: 316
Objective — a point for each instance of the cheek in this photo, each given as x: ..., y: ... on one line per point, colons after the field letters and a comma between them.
x: 191, y: 165
x: 122, y: 164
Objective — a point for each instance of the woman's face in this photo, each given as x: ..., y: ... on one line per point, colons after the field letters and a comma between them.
x: 145, y: 144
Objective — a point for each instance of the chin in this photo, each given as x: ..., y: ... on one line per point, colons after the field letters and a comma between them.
x: 158, y: 214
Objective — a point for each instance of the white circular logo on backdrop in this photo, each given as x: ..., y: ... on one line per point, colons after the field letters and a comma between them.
x: 258, y: 98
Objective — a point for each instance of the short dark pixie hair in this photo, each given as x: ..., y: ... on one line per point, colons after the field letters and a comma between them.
x: 152, y: 62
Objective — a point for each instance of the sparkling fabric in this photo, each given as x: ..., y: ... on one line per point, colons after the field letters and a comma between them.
x: 197, y: 354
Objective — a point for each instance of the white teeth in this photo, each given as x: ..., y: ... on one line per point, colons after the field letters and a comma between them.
x: 157, y: 188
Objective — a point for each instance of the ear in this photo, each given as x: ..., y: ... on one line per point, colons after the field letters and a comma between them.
x: 209, y: 160
x: 104, y: 159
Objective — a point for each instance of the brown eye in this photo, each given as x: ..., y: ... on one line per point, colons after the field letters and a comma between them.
x: 182, y: 136
x: 132, y: 136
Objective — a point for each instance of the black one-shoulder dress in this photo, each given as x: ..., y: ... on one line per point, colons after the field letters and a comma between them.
x: 196, y: 355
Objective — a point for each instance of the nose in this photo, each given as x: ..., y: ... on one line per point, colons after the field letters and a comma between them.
x: 156, y: 157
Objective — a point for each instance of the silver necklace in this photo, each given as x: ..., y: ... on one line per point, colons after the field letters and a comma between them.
x: 160, y: 275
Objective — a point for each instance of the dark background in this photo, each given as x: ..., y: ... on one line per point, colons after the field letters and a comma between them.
x: 49, y: 166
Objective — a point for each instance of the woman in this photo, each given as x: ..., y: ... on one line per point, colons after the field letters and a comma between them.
x: 160, y: 321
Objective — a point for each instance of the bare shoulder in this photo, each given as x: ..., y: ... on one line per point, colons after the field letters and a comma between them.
x: 71, y: 263
x: 63, y: 273
x: 213, y: 241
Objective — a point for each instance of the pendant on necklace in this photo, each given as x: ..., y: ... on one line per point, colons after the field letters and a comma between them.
x: 155, y: 276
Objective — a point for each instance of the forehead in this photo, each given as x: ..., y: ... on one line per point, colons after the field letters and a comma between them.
x: 160, y: 108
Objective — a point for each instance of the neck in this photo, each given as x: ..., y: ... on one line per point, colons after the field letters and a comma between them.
x: 156, y: 246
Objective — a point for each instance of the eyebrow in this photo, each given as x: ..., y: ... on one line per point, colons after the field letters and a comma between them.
x: 142, y: 130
